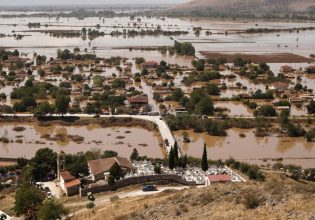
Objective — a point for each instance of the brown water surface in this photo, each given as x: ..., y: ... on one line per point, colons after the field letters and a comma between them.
x: 119, y: 139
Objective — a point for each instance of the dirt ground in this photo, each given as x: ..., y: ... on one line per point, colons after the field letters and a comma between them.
x: 7, y: 199
x: 276, y: 198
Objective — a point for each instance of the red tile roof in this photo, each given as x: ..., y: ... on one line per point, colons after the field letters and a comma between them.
x: 72, y: 183
x: 220, y: 178
x: 139, y: 99
x: 66, y: 176
x: 103, y: 165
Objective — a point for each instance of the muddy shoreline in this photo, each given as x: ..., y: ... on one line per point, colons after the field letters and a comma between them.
x: 104, y: 122
x: 258, y: 58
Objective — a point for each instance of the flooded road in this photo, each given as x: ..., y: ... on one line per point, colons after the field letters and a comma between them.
x: 73, y: 139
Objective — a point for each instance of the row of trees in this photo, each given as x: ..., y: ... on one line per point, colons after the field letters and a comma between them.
x: 175, y: 161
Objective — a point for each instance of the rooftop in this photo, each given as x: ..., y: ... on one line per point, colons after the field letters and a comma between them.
x: 219, y: 178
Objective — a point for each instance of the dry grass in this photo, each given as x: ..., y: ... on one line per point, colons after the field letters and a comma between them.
x: 7, y: 199
x: 276, y: 198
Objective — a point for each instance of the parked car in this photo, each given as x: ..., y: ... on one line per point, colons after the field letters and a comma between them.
x: 149, y: 188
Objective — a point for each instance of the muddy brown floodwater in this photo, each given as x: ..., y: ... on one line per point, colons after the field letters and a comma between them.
x: 68, y: 138
x: 250, y: 148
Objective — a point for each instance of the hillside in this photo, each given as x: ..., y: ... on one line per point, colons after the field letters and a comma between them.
x: 276, y: 198
x: 245, y: 8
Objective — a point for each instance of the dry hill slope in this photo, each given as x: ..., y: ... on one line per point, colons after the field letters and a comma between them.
x: 276, y: 198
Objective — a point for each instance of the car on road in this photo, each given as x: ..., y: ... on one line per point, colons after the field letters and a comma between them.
x: 149, y: 188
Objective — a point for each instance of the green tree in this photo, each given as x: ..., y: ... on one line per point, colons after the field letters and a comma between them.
x: 51, y: 210
x: 29, y: 83
x: 157, y: 168
x: 284, y: 117
x: 184, y: 163
x: 115, y: 171
x: 213, y: 89
x: 295, y: 130
x: 266, y: 110
x: 3, y: 217
x: 171, y: 159
x: 118, y: 83
x: 77, y: 164
x: 27, y: 199
x: 205, y: 106
x: 109, y: 153
x: 62, y: 104
x: 111, y: 180
x: 91, y: 199
x: 176, y: 157
x: 134, y: 155
x: 204, y: 159
x: 43, y: 165
x: 44, y: 108
x: 177, y: 94
x: 311, y: 108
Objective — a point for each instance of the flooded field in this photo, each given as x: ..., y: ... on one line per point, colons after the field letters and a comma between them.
x: 250, y: 148
x: 299, y: 43
x: 73, y: 139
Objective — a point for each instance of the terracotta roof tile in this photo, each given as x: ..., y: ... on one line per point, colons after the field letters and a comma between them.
x: 72, y: 183
x: 103, y: 165
x: 219, y: 178
x: 66, y: 176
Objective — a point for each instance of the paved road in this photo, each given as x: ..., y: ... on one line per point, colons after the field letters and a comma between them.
x: 103, y: 199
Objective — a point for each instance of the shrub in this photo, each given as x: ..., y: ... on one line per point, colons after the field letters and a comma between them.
x: 90, y: 205
x: 114, y: 198
x: 251, y: 200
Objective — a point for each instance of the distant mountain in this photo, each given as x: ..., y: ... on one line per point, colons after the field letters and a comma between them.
x: 245, y: 8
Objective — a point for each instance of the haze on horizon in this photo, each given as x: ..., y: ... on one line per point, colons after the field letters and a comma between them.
x: 84, y: 2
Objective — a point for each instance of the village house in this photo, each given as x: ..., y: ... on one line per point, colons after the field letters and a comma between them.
x: 295, y: 99
x: 286, y: 69
x: 149, y: 65
x: 222, y: 178
x: 139, y: 100
x: 15, y: 59
x: 279, y: 87
x: 245, y: 96
x: 69, y: 184
x: 98, y: 168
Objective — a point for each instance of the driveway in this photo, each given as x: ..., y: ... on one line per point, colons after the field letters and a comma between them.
x: 54, y: 187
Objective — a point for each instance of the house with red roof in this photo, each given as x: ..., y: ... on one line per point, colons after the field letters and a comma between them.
x: 99, y: 167
x: 138, y: 100
x: 221, y: 178
x: 149, y: 65
x: 69, y: 184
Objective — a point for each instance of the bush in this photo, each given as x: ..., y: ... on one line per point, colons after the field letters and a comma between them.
x: 266, y: 110
x: 114, y: 198
x: 295, y: 130
x: 251, y: 200
x: 90, y: 205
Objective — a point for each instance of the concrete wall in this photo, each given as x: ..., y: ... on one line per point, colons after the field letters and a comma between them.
x: 75, y: 190
x: 136, y: 180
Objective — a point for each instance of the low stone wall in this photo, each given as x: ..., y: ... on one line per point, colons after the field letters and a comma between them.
x: 136, y: 180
